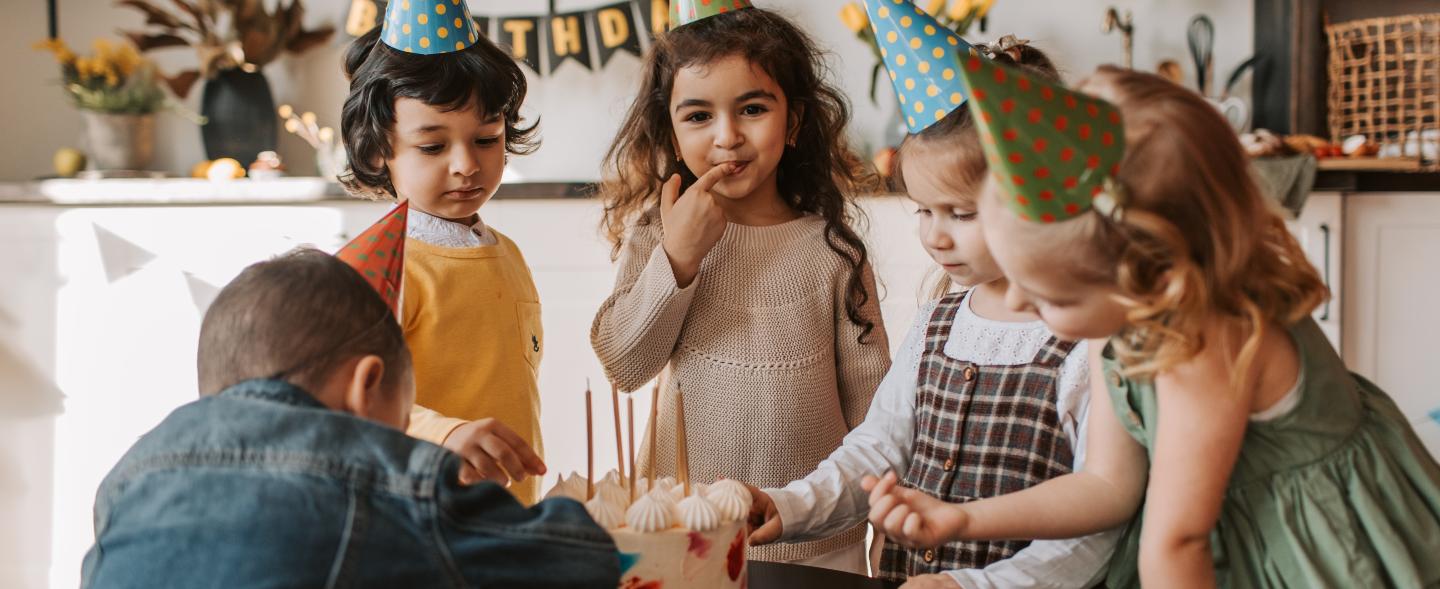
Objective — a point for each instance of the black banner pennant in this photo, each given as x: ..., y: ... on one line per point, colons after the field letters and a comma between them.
x: 568, y: 39
x: 615, y: 30
x: 521, y: 35
x: 655, y: 14
x: 363, y: 16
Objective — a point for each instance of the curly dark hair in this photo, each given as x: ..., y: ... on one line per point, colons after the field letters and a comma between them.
x: 819, y: 175
x: 481, y: 75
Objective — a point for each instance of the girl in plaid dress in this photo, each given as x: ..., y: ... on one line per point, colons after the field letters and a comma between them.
x: 1226, y: 433
x: 979, y: 401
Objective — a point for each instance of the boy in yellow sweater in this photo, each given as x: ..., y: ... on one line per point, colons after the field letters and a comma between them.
x: 431, y: 118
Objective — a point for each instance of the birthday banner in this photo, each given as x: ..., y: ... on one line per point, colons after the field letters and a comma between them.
x: 560, y: 37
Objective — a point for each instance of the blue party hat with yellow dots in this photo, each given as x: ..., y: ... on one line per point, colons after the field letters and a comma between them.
x: 924, y: 59
x: 428, y: 27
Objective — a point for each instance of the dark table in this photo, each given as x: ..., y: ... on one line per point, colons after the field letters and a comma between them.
x: 774, y: 575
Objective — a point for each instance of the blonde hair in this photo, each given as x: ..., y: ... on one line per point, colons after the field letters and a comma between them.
x: 953, y: 145
x: 1194, y: 239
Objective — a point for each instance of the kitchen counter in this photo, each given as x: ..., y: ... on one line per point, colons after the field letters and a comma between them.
x: 192, y: 191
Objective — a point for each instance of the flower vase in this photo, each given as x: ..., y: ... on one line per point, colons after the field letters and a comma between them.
x: 119, y: 141
x: 240, y: 116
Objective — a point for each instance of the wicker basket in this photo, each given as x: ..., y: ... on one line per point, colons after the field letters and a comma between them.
x: 1385, y: 81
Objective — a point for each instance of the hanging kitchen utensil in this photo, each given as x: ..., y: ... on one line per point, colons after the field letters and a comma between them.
x: 1235, y: 75
x: 1201, y: 36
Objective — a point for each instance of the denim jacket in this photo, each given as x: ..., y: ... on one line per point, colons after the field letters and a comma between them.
x: 262, y: 486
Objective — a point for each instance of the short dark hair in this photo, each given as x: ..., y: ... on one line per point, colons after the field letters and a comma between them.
x: 481, y: 75
x: 296, y: 317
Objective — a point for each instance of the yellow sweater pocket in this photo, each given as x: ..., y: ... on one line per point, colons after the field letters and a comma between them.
x: 532, y: 333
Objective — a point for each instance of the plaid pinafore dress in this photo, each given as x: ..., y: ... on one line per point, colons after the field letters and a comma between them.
x: 980, y: 431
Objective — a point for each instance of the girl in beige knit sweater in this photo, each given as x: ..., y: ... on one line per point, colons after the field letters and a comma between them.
x: 727, y: 196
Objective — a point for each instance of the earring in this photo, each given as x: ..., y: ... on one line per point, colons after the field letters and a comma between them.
x: 678, y: 157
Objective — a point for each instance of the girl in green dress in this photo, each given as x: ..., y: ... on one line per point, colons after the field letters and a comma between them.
x: 1224, y: 427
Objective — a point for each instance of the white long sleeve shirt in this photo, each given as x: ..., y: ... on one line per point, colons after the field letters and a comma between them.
x: 830, y: 499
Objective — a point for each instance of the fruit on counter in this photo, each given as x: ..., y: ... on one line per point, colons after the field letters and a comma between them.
x: 200, y: 169
x: 1359, y: 146
x: 1263, y: 143
x: 68, y: 162
x: 225, y: 169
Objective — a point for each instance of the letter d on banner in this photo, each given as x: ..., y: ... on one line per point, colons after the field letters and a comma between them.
x: 615, y: 26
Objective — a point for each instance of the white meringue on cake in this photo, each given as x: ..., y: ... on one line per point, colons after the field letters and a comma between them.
x: 731, y: 498
x: 648, y: 515
x: 573, y: 488
x: 663, y: 496
x: 606, y: 513
x: 698, y: 514
x: 612, y: 491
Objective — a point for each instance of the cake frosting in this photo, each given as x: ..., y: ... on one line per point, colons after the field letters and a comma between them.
x: 666, y: 537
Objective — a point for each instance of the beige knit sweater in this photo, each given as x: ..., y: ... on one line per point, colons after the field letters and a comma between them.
x: 760, y: 345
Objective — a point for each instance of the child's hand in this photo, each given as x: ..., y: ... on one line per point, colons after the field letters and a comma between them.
x: 763, y: 519
x: 936, y: 581
x: 492, y: 452
x: 693, y: 223
x: 909, y: 517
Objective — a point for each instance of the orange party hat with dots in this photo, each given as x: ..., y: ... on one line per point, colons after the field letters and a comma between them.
x: 1052, y: 151
x: 428, y: 27
x: 378, y: 255
x: 924, y: 59
x: 684, y: 12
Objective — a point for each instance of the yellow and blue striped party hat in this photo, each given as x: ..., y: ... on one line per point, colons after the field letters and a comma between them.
x: 924, y: 59
x: 428, y: 27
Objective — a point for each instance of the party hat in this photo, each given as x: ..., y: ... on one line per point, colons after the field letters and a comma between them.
x: 1053, y: 151
x: 684, y: 12
x: 924, y: 59
x: 378, y: 254
x: 428, y: 27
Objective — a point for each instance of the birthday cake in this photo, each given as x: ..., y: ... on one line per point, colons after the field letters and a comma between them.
x: 667, y: 537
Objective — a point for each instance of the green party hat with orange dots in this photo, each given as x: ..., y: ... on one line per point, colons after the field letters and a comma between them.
x: 684, y: 12
x: 923, y: 57
x: 378, y: 255
x: 1052, y: 151
x: 428, y: 27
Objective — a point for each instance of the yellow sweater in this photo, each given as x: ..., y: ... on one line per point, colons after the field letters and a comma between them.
x: 472, y: 319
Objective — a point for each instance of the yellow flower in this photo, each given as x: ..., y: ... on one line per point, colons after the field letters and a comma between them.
x: 854, y: 17
x: 959, y: 8
x: 984, y: 8
x: 934, y: 7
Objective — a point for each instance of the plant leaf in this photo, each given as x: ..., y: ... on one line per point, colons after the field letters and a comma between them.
x: 182, y: 82
x: 155, y: 15
x: 307, y: 39
x: 195, y: 12
x: 147, y: 42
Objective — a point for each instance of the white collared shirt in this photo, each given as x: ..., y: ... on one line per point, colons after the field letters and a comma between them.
x: 446, y: 233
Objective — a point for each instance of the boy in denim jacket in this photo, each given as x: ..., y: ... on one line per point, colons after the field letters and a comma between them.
x: 294, y: 469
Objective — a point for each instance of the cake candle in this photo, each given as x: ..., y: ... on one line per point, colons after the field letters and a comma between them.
x: 619, y: 445
x: 630, y: 419
x: 589, y: 446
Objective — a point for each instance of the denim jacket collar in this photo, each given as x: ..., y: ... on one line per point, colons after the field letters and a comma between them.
x: 274, y: 390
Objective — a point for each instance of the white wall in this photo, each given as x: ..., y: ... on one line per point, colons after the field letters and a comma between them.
x: 580, y: 108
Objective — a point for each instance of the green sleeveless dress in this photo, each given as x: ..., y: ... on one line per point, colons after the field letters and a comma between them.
x: 1338, y: 492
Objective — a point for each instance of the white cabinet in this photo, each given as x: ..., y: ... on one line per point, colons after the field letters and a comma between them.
x: 1319, y: 229
x: 1391, y: 329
